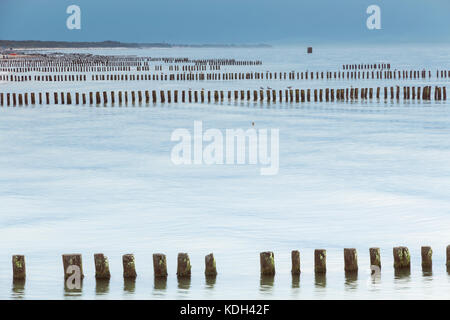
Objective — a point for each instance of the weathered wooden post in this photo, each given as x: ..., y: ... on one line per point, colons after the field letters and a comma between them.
x: 18, y: 264
x: 71, y: 260
x: 210, y: 265
x: 375, y: 257
x: 154, y: 96
x: 129, y: 266
x: 267, y: 262
x: 427, y: 257
x: 97, y: 98
x: 160, y: 265
x: 184, y: 265
x: 295, y: 257
x: 320, y: 261
x: 448, y: 258
x: 350, y: 260
x: 101, y: 266
x: 402, y: 259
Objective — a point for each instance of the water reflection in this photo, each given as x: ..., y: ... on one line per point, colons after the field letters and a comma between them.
x: 295, y: 281
x: 160, y: 283
x: 18, y: 289
x: 129, y: 285
x: 402, y: 274
x: 427, y: 271
x: 184, y: 283
x: 73, y: 289
x: 351, y: 280
x: 266, y: 283
x: 320, y: 280
x: 210, y: 281
x: 102, y: 286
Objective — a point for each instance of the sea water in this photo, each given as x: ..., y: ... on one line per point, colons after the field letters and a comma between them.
x: 80, y: 179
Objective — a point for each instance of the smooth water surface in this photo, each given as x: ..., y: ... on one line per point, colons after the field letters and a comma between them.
x: 100, y: 179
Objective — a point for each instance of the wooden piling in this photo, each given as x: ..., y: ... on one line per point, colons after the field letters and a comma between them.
x: 159, y: 265
x: 267, y: 263
x: 18, y: 265
x: 448, y: 258
x: 184, y: 265
x: 402, y: 259
x: 129, y: 266
x: 375, y: 257
x: 101, y: 266
x: 350, y: 260
x: 427, y: 257
x: 210, y: 265
x: 320, y: 261
x: 72, y: 260
x: 295, y: 257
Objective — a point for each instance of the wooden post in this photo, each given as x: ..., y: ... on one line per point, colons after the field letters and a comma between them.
x: 350, y: 260
x: 295, y: 257
x: 320, y: 261
x: 267, y: 263
x: 402, y: 259
x: 448, y: 257
x: 160, y: 265
x: 97, y: 98
x: 129, y: 266
x: 210, y: 265
x: 427, y: 257
x: 375, y: 257
x: 72, y: 260
x: 101, y: 266
x: 18, y: 264
x: 184, y: 265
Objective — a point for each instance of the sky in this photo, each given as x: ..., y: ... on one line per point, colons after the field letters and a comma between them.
x: 227, y: 21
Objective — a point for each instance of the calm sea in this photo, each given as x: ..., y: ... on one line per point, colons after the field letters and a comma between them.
x: 79, y: 179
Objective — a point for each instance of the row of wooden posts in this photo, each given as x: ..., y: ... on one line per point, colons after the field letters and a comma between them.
x: 365, y: 66
x: 201, y: 76
x: 402, y: 260
x: 23, y: 65
x: 269, y: 96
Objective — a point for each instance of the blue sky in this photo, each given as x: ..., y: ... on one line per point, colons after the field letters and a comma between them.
x: 227, y: 21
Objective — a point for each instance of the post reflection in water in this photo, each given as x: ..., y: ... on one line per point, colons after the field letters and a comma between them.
x: 160, y: 283
x: 18, y: 289
x: 210, y: 281
x: 73, y: 289
x: 320, y: 280
x: 402, y: 274
x: 351, y: 280
x: 129, y: 285
x: 295, y: 281
x: 102, y: 286
x: 184, y: 283
x: 427, y: 272
x: 266, y: 283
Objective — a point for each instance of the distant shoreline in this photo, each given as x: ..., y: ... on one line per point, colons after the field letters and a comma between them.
x: 32, y: 44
